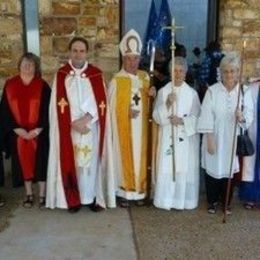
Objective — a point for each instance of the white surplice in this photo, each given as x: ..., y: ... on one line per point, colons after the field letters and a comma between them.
x: 184, y: 192
x: 89, y: 166
x: 218, y: 117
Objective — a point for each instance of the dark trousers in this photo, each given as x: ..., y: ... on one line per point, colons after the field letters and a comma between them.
x: 216, y: 189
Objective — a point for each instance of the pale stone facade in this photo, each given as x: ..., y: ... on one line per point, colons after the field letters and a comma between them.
x: 98, y: 21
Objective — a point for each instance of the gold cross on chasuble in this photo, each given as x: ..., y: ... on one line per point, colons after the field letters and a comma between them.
x: 62, y: 104
x: 102, y: 106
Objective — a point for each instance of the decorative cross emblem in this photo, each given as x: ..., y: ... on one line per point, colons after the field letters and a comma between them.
x: 136, y: 99
x: 84, y: 150
x: 102, y: 106
x: 62, y: 104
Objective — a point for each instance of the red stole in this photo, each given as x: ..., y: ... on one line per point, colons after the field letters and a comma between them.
x: 67, y: 161
x: 24, y: 102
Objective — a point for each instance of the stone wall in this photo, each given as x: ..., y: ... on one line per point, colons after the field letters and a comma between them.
x: 98, y: 21
x: 60, y: 20
x: 239, y: 22
x: 11, y: 43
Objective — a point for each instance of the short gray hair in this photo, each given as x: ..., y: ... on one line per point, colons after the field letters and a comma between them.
x: 230, y: 58
x: 178, y: 60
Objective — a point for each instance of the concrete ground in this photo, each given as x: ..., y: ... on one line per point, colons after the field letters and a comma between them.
x: 35, y: 234
x: 119, y: 234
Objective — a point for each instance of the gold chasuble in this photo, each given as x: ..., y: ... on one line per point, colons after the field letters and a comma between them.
x: 124, y: 96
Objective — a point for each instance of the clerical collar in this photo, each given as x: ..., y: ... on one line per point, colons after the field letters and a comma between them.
x: 79, y: 70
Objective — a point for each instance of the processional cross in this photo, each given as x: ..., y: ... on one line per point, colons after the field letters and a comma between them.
x: 173, y: 28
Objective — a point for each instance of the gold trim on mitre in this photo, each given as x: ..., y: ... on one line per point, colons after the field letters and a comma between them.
x: 131, y: 44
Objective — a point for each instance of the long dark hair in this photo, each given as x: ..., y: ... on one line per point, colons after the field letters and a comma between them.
x: 35, y: 59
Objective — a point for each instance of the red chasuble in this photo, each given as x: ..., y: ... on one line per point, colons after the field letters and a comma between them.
x: 24, y: 102
x: 67, y: 161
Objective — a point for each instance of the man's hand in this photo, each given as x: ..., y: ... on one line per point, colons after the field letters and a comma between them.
x: 152, y: 92
x: 211, y: 144
x: 175, y: 120
x: 133, y: 113
x: 80, y: 125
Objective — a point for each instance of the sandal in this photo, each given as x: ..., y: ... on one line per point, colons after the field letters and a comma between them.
x: 28, y: 202
x: 42, y: 202
x: 249, y: 205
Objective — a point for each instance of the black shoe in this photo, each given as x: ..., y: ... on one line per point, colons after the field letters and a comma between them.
x: 140, y: 203
x: 123, y: 203
x: 74, y: 209
x: 212, y: 208
x: 95, y: 207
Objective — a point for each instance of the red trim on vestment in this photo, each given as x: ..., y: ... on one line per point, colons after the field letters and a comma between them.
x: 67, y: 161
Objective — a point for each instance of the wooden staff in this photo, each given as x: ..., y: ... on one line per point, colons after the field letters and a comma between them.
x: 234, y: 141
x: 149, y: 151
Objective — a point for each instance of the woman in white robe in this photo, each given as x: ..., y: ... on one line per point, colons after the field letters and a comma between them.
x: 218, y: 115
x: 183, y: 192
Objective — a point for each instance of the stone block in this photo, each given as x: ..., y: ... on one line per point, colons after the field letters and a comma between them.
x: 90, y: 10
x: 246, y: 14
x: 60, y: 45
x: 234, y: 4
x: 108, y: 35
x: 231, y: 32
x: 8, y: 71
x: 10, y: 25
x: 107, y: 50
x: 254, y: 3
x: 87, y: 21
x: 88, y: 32
x: 12, y: 7
x: 249, y: 69
x: 60, y: 8
x: 92, y: 2
x: 49, y: 64
x: 46, y: 45
x: 251, y: 28
x: 45, y: 7
x: 58, y: 26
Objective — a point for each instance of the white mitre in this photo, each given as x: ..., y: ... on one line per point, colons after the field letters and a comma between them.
x: 131, y: 44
